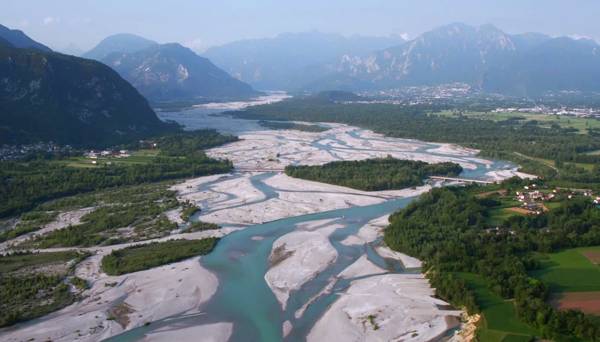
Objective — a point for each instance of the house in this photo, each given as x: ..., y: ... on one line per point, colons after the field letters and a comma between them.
x: 91, y: 154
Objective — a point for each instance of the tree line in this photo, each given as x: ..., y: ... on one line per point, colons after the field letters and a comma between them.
x: 374, y: 174
x: 447, y: 229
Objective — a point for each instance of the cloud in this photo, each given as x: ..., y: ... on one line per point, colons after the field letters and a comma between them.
x: 24, y: 23
x: 404, y: 36
x: 51, y: 20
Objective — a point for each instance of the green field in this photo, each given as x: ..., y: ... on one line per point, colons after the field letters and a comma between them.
x: 569, y: 271
x: 500, y: 322
x: 580, y: 124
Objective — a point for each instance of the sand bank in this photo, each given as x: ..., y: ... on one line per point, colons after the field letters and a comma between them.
x: 298, y: 257
x: 390, y: 307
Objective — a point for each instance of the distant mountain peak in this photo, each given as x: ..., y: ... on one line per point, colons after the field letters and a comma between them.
x: 119, y: 43
x: 290, y: 60
x: 172, y: 72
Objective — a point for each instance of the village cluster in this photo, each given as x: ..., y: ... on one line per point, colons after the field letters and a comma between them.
x: 94, y: 155
x: 533, y: 200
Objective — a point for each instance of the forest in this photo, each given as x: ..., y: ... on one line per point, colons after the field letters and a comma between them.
x: 374, y: 174
x: 447, y: 229
x: 277, y: 125
x: 142, y: 257
x: 522, y: 142
x: 25, y: 184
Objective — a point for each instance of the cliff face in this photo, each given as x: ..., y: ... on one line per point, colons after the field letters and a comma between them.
x: 46, y: 96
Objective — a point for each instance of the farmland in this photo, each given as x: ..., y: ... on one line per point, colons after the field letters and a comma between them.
x: 544, y: 120
x: 573, y: 279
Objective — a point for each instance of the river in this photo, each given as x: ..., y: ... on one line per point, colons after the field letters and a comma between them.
x: 241, y: 259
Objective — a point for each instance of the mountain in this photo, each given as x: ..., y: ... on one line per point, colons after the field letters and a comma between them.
x: 557, y: 64
x: 291, y: 60
x: 122, y: 43
x: 453, y: 53
x: 5, y: 43
x: 484, y: 57
x: 526, y: 41
x: 47, y: 96
x: 20, y: 40
x: 171, y: 72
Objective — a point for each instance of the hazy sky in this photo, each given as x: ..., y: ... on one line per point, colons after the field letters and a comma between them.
x: 200, y: 23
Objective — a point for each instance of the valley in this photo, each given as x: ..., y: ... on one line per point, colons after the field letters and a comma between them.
x: 382, y: 172
x: 272, y: 224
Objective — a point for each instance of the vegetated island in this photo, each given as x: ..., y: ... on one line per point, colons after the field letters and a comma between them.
x: 374, y: 174
x: 493, y: 251
x: 142, y: 257
x: 34, y: 284
x: 280, y: 125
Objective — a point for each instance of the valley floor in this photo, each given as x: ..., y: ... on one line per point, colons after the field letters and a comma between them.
x: 377, y: 304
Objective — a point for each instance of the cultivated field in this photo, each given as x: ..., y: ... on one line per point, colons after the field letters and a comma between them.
x: 573, y: 276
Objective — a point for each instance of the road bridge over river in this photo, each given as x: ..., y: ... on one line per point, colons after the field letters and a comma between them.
x: 463, y: 180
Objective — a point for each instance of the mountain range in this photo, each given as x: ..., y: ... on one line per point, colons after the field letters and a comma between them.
x: 483, y: 57
x: 47, y: 96
x: 290, y: 60
x: 168, y: 72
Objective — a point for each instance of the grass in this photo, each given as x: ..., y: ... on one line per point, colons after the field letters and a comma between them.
x: 498, y: 214
x: 545, y: 120
x: 142, y: 257
x: 500, y: 321
x: 569, y: 271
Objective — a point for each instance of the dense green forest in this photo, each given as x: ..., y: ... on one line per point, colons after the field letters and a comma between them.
x: 522, y: 142
x: 374, y: 174
x: 447, y: 229
x: 32, y: 285
x: 292, y: 125
x: 142, y: 257
x: 25, y: 184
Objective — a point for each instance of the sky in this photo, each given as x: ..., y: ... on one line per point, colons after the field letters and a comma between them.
x: 63, y: 24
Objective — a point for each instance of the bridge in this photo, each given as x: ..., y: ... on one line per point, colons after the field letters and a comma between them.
x: 250, y: 169
x: 463, y: 180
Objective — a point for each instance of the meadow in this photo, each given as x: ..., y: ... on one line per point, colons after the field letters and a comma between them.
x: 500, y: 321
